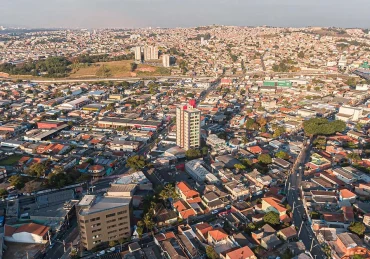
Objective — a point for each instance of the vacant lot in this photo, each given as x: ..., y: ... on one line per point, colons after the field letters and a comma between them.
x: 116, y: 69
x: 11, y: 160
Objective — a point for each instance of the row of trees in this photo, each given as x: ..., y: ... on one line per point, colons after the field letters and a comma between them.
x: 321, y: 126
x: 196, y: 153
x: 50, y: 67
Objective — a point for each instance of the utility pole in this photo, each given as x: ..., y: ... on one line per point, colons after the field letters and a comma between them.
x: 49, y: 238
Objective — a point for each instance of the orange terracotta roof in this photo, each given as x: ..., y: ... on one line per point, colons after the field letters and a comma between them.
x: 241, y: 253
x: 188, y: 213
x: 33, y: 228
x: 346, y: 194
x: 218, y: 234
x: 274, y: 203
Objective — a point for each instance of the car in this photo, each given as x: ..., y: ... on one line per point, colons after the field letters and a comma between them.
x: 214, y: 212
x: 299, y: 198
x: 228, y: 207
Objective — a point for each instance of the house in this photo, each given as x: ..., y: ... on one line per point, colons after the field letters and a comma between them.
x: 273, y: 204
x: 164, y: 216
x: 28, y: 233
x: 184, y: 210
x: 346, y: 195
x: 217, y: 235
x: 170, y: 245
x: 203, y: 229
x: 266, y: 237
x: 349, y: 244
x: 255, y: 150
x: 240, y: 253
x: 288, y: 234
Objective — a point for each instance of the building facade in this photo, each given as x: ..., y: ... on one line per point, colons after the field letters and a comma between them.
x: 187, y: 127
x: 103, y: 219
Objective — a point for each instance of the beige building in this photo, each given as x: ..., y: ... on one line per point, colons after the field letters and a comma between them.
x: 166, y: 60
x: 187, y: 127
x: 103, y: 219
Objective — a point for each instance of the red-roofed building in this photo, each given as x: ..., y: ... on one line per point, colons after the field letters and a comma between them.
x: 273, y: 204
x: 241, y: 253
x: 255, y: 149
x: 29, y: 233
x: 216, y: 236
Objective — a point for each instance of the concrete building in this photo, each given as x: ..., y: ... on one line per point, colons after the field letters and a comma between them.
x: 103, y: 219
x: 166, y: 61
x: 137, y: 53
x: 348, y: 113
x: 187, y: 127
x: 150, y: 53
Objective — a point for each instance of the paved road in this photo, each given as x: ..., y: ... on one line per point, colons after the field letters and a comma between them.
x: 58, y: 249
x: 305, y: 232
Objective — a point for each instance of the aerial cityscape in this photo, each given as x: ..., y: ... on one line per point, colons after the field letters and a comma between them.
x: 184, y: 142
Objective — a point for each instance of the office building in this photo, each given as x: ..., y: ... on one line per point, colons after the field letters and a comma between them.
x: 166, y: 60
x: 138, y: 53
x: 103, y: 219
x: 187, y: 126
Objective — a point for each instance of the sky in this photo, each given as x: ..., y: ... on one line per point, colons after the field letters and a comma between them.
x: 183, y: 13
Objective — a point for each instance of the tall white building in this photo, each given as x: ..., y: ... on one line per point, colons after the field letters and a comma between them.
x: 166, y: 60
x: 187, y: 127
x: 138, y: 53
x: 150, y: 52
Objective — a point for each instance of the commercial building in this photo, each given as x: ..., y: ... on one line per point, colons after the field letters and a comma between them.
x: 113, y: 122
x: 103, y: 219
x: 187, y: 127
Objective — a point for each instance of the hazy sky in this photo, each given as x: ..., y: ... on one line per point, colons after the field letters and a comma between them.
x: 184, y: 13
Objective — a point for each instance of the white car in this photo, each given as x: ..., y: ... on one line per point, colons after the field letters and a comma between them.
x: 214, y: 212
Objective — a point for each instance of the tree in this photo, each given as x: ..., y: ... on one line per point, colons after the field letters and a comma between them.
x: 287, y: 254
x: 136, y: 162
x: 37, y: 169
x: 358, y: 257
x: 133, y: 66
x: 169, y: 191
x: 190, y: 95
x: 321, y: 126
x: 358, y: 228
x: 265, y: 159
x: 192, y: 153
x: 249, y: 123
x: 359, y: 126
x: 317, y: 88
x: 354, y: 156
x: 112, y: 243
x: 148, y: 221
x: 271, y: 218
x: 110, y: 106
x: 211, y: 253
x: 240, y: 167
x: 58, y: 180
x: 3, y: 193
x: 17, y: 181
x: 282, y: 154
x: 261, y: 121
x: 204, y: 151
x: 278, y: 132
x: 301, y: 54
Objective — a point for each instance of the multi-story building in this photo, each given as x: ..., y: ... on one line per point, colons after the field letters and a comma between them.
x: 187, y: 127
x: 150, y: 53
x: 103, y: 219
x: 138, y: 53
x: 166, y: 60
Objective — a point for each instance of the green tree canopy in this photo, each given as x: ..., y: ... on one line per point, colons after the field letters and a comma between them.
x: 358, y: 228
x: 278, y: 132
x: 240, y: 166
x: 321, y: 126
x: 192, y: 153
x: 211, y: 253
x: 271, y: 218
x: 265, y: 159
x: 3, y: 192
x: 38, y: 169
x: 17, y: 181
x: 282, y: 154
x: 136, y: 162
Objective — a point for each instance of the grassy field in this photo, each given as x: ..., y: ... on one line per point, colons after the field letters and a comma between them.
x: 112, y: 69
x: 11, y: 160
x: 116, y: 69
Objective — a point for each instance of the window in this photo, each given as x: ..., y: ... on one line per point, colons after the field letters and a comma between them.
x: 97, y: 242
x: 122, y: 212
x: 111, y: 226
x: 113, y: 231
x: 110, y: 215
x: 95, y: 225
x: 96, y: 230
x: 95, y: 219
x: 110, y: 221
x: 84, y: 221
